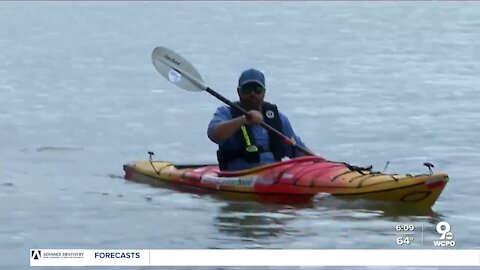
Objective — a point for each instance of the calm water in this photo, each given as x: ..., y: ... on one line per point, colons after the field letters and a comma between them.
x: 362, y: 82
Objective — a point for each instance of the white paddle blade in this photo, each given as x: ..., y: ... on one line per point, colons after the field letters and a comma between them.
x: 177, y: 70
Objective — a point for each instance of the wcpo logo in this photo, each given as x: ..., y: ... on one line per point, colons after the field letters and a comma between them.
x: 446, y: 236
x: 35, y: 254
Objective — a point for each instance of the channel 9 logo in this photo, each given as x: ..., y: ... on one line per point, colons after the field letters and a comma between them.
x: 446, y: 235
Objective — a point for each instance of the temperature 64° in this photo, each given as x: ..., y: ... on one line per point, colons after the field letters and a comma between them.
x: 404, y: 240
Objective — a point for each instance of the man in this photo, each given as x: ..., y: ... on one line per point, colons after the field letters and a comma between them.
x: 242, y: 142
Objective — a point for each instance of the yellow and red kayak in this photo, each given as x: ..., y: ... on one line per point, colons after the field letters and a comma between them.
x: 299, y: 177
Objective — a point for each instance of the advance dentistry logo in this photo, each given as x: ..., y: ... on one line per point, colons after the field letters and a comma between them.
x: 38, y: 254
x: 35, y: 254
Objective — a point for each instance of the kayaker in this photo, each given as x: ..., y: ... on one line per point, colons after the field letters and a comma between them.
x: 243, y: 143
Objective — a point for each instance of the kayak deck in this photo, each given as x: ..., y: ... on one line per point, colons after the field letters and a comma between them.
x: 304, y: 176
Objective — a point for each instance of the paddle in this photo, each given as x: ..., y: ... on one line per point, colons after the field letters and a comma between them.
x: 181, y: 73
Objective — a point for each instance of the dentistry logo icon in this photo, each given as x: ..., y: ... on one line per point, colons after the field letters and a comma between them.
x: 35, y: 254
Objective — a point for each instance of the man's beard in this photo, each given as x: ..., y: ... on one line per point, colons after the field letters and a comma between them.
x: 248, y: 104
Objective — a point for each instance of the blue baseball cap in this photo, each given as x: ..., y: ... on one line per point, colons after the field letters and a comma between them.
x: 251, y: 75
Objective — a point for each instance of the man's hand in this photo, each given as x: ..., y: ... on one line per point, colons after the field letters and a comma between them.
x: 255, y: 118
x: 227, y: 128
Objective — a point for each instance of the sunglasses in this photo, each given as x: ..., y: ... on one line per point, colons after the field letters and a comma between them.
x: 249, y: 88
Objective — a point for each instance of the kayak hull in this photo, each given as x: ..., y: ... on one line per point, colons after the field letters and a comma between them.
x: 297, y: 179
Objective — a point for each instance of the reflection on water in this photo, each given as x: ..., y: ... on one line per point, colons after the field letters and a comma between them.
x: 388, y: 210
x: 257, y: 223
x: 252, y: 221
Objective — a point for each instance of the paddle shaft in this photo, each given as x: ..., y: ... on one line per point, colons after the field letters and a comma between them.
x: 263, y: 124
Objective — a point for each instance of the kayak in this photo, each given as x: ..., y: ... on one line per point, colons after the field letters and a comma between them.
x: 302, y: 177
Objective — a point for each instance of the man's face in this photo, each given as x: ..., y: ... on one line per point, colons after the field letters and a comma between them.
x: 251, y: 95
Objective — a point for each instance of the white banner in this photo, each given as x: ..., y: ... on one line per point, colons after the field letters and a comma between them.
x: 89, y: 257
x: 253, y: 257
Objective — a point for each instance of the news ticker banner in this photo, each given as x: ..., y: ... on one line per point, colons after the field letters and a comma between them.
x: 254, y: 257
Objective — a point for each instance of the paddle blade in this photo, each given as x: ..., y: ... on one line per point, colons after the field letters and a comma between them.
x: 177, y: 70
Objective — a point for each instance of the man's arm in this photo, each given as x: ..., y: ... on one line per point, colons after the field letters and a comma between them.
x: 222, y: 128
x: 225, y: 129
